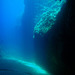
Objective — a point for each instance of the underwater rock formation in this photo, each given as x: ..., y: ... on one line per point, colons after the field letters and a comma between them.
x: 47, y: 18
x: 55, y: 51
x: 45, y: 23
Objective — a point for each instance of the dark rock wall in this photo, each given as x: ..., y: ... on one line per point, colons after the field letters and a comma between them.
x: 68, y: 55
x: 55, y: 51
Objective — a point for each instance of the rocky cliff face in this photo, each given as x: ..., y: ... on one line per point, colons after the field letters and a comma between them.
x: 55, y: 50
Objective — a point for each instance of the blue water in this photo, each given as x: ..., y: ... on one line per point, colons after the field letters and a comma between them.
x: 13, y: 36
x: 16, y: 27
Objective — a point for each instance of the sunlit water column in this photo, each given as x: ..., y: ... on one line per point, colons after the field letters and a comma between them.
x: 27, y: 29
x: 12, y: 15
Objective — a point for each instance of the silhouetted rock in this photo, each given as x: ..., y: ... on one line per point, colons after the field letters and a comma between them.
x: 55, y: 51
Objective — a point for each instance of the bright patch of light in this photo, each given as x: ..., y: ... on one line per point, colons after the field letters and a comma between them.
x: 13, y: 11
x: 34, y: 66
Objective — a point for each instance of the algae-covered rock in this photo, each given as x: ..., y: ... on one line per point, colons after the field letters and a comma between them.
x: 45, y: 23
x: 48, y: 17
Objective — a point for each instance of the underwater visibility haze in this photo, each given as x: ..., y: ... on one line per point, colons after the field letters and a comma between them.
x: 29, y: 41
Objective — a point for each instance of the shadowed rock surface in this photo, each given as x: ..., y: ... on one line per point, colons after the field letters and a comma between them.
x: 55, y: 51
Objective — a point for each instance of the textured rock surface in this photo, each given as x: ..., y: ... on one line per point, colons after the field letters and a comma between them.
x: 58, y: 45
x: 47, y: 17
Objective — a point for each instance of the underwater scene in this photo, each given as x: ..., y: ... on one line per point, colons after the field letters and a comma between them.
x: 34, y: 37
